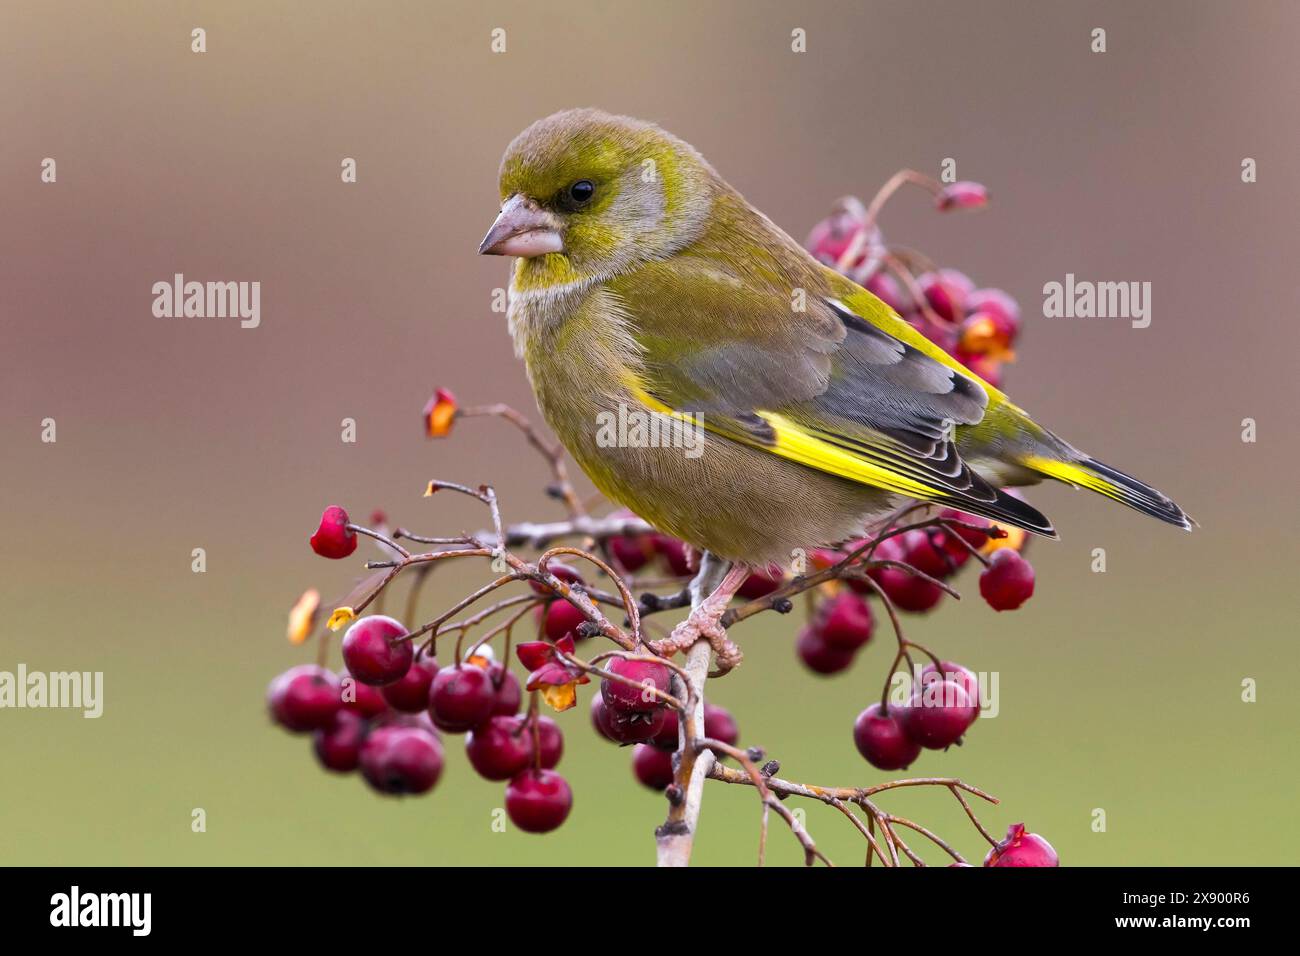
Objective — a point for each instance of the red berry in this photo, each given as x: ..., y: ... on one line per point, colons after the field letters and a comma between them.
x: 400, y: 760
x: 941, y: 334
x: 925, y: 552
x: 422, y: 721
x: 988, y: 334
x: 822, y: 558
x: 988, y: 369
x: 993, y: 302
x: 332, y: 538
x: 1021, y: 848
x: 819, y: 656
x: 718, y: 724
x: 888, y: 290
x: 628, y: 727
x: 890, y: 549
x: 946, y: 291
x: 551, y: 741
x: 338, y: 747
x: 560, y: 618
x: 509, y: 695
x: 564, y: 572
x: 906, y: 590
x: 844, y: 621
x: 674, y: 553
x: 461, y: 697
x: 976, y: 539
x: 500, y: 747
x: 961, y: 195
x: 538, y: 801
x: 961, y: 676
x: 410, y: 692
x: 1008, y: 581
x: 373, y: 651
x: 652, y: 766
x: 666, y: 738
x: 938, y: 714
x: 631, y: 553
x: 831, y: 237
x: 635, y: 696
x: 880, y: 738
x: 759, y: 584
x: 362, y: 699
x: 304, y: 698
x: 599, y: 715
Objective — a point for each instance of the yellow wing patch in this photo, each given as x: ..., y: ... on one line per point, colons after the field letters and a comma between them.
x: 1074, y: 475
x: 797, y: 445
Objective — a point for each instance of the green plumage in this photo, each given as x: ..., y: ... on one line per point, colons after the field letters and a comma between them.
x: 821, y: 409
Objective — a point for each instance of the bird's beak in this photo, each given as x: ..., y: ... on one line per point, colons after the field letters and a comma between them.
x: 522, y: 229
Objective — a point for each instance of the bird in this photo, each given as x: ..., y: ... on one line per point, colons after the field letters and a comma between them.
x: 768, y: 402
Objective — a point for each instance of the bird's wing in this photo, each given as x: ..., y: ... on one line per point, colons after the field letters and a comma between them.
x: 834, y: 381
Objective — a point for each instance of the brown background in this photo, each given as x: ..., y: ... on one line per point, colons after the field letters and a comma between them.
x: 1120, y: 691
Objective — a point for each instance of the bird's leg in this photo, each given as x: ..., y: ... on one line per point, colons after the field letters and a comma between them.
x: 703, y: 621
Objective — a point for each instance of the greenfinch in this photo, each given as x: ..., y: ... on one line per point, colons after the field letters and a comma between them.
x: 773, y: 403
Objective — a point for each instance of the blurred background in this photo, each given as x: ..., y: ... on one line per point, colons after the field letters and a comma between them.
x: 1119, y: 691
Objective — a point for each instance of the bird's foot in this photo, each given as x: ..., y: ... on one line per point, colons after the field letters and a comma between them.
x: 704, y: 622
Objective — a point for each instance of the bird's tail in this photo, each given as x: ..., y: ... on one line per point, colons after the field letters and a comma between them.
x: 1085, y: 472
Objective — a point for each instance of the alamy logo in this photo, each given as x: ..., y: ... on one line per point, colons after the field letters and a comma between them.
x: 642, y: 428
x: 208, y: 300
x: 75, y: 908
x: 1082, y: 299
x: 37, y: 689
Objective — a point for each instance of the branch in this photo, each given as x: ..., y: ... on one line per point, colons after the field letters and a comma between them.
x: 770, y: 800
x: 841, y: 797
x: 676, y: 837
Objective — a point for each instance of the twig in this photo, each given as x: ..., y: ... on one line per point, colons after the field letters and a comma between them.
x: 551, y: 451
x: 675, y: 838
x: 770, y: 800
x: 842, y: 797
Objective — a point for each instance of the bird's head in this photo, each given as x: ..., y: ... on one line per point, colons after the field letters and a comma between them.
x: 585, y: 194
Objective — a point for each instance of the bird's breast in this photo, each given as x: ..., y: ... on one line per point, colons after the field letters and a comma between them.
x: 579, y: 354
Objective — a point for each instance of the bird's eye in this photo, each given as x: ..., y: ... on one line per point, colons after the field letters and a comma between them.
x: 581, y: 191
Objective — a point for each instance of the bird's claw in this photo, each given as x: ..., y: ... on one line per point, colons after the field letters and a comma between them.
x: 702, y: 623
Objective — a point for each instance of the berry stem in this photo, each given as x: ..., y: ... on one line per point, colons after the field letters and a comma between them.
x: 505, y: 626
x: 535, y: 730
x: 904, y: 274
x: 904, y: 177
x: 553, y: 452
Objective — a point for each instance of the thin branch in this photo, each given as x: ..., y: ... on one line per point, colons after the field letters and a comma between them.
x: 553, y: 452
x: 759, y: 782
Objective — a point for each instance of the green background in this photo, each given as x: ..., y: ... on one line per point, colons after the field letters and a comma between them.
x: 1119, y: 691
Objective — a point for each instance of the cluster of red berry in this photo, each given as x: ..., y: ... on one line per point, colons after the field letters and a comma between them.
x: 387, y: 716
x: 626, y: 710
x: 946, y: 701
x: 978, y: 327
x: 623, y: 719
x: 843, y: 623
